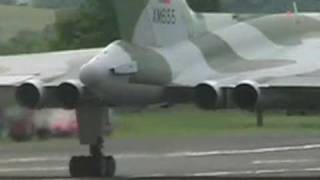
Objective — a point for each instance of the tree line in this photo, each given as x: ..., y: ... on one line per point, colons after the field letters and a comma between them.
x: 92, y: 23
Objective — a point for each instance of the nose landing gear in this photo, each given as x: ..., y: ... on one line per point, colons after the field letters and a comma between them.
x: 96, y: 165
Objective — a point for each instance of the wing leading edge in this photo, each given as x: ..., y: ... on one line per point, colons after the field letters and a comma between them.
x: 40, y: 75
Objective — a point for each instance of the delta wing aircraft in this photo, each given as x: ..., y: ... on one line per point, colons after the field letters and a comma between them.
x: 169, y: 54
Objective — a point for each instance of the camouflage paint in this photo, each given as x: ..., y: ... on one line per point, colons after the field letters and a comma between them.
x: 172, y: 45
x: 153, y: 68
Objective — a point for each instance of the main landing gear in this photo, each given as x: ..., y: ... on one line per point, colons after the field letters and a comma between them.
x: 96, y: 165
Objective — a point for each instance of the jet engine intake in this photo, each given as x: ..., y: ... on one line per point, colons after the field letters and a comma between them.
x: 246, y: 95
x: 70, y: 94
x: 208, y: 95
x: 30, y: 94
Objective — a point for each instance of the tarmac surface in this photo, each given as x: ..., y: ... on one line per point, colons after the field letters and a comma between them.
x: 223, y: 156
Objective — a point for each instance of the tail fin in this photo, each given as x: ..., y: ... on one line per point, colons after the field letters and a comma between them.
x: 154, y: 22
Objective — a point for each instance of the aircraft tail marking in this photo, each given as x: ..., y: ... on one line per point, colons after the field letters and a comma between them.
x: 154, y: 22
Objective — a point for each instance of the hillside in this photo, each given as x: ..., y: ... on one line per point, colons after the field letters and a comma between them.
x: 14, y: 19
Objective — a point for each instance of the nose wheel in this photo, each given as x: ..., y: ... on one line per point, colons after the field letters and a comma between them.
x: 96, y: 165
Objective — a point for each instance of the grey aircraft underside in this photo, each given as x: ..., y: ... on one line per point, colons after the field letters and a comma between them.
x: 169, y: 54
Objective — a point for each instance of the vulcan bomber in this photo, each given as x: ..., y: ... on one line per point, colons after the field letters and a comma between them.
x: 169, y: 54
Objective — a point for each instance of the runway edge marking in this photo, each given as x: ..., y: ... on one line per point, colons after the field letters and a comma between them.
x: 33, y: 169
x: 231, y: 173
x: 170, y: 155
x: 254, y: 151
x: 284, y: 161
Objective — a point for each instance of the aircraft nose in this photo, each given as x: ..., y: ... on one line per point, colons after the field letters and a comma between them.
x: 92, y: 74
x: 97, y: 73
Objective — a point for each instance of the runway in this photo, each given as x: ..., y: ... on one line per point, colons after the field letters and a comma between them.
x: 222, y: 156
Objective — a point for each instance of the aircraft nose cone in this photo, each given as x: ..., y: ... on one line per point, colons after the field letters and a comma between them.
x: 97, y: 72
x: 92, y: 74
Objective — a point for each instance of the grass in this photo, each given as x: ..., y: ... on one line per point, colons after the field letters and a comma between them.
x: 189, y: 121
x: 15, y: 18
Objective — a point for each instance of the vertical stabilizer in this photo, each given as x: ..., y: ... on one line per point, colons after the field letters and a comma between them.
x: 154, y: 22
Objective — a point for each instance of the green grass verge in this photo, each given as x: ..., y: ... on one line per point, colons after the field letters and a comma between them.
x: 189, y: 121
x: 14, y: 19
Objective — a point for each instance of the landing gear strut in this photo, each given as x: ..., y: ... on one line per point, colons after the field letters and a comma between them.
x: 96, y: 165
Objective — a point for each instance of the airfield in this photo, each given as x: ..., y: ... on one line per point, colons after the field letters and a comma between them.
x: 182, y: 142
x: 224, y: 156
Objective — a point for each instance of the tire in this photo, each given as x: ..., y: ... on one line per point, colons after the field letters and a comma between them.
x: 92, y: 167
x: 80, y: 166
x: 111, y: 166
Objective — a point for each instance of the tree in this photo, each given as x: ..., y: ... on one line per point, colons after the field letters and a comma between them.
x: 7, y: 2
x: 205, y: 5
x: 57, y: 3
x: 93, y: 25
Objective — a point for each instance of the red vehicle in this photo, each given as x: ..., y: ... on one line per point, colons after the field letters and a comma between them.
x: 64, y: 128
x: 44, y: 124
x: 56, y: 123
x: 22, y: 129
